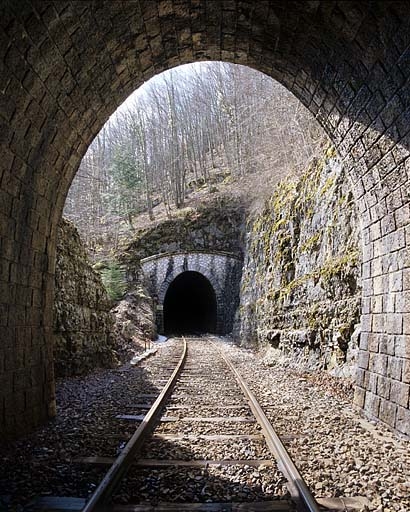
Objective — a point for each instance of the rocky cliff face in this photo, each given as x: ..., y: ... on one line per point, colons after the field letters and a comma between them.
x: 134, y: 319
x: 83, y: 323
x: 216, y: 225
x: 300, y: 289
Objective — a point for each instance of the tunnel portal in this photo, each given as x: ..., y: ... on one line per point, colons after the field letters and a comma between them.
x: 190, y: 305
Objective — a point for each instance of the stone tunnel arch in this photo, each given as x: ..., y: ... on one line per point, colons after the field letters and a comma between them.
x: 190, y: 305
x: 221, y: 270
x: 66, y: 66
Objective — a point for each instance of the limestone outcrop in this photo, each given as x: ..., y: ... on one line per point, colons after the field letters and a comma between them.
x: 216, y: 225
x: 83, y: 324
x: 300, y: 290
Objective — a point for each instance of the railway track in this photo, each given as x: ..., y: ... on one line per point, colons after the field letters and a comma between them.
x: 203, y: 443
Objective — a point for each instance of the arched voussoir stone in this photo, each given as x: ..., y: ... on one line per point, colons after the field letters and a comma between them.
x: 66, y: 65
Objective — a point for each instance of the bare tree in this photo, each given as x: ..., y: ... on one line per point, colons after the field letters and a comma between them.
x: 189, y: 127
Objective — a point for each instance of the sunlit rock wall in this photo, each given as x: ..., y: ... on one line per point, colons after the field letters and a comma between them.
x: 300, y: 289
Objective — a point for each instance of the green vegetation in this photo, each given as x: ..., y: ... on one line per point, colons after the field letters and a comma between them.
x: 99, y: 266
x: 312, y: 243
x: 113, y: 278
x: 333, y: 267
x: 328, y: 185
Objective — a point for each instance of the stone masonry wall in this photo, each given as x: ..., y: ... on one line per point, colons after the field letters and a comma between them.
x: 216, y: 226
x: 83, y: 323
x: 301, y: 278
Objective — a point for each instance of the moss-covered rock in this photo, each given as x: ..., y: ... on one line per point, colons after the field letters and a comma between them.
x: 301, y: 277
x: 83, y: 324
x: 216, y: 225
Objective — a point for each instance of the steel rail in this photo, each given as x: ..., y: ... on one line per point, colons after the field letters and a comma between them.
x: 127, y: 456
x: 298, y: 487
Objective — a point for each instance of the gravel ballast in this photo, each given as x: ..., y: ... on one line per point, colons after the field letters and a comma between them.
x: 338, y: 453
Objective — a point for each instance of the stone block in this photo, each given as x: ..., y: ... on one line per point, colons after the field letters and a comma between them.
x: 402, y: 302
x: 389, y: 303
x: 363, y: 359
x: 6, y: 384
x: 395, y: 367
x: 394, y: 323
x: 379, y: 323
x: 15, y: 403
x: 388, y: 224
x: 397, y: 240
x: 383, y: 387
x: 403, y: 421
x: 372, y: 404
x: 389, y: 263
x: 406, y: 279
x: 373, y: 342
x: 402, y: 216
x: 361, y: 377
x: 21, y: 379
x: 395, y: 281
x: 375, y: 231
x: 376, y: 266
x: 402, y: 346
x: 366, y: 301
x: 366, y: 323
x: 11, y: 425
x: 368, y: 252
x: 367, y: 289
x: 387, y: 412
x: 406, y: 371
x: 366, y: 268
x: 399, y: 393
x: 406, y: 324
x: 378, y: 363
x: 379, y: 285
x: 386, y: 344
x: 364, y: 340
x: 371, y: 382
x: 380, y: 247
x: 377, y: 304
x: 359, y: 397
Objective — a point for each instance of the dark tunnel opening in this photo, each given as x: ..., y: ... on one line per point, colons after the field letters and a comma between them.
x: 190, y: 305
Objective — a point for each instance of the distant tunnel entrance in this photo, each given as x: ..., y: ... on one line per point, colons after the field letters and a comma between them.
x: 190, y: 305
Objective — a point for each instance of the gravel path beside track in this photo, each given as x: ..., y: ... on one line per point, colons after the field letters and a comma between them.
x: 85, y: 425
x: 338, y: 453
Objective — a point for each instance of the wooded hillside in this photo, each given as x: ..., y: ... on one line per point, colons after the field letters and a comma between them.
x: 197, y: 127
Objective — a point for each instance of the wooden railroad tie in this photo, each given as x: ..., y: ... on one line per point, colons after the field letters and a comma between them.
x: 61, y: 504
x: 159, y: 463
x: 199, y: 419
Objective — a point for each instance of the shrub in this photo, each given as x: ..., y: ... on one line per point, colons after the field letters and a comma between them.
x: 113, y: 278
